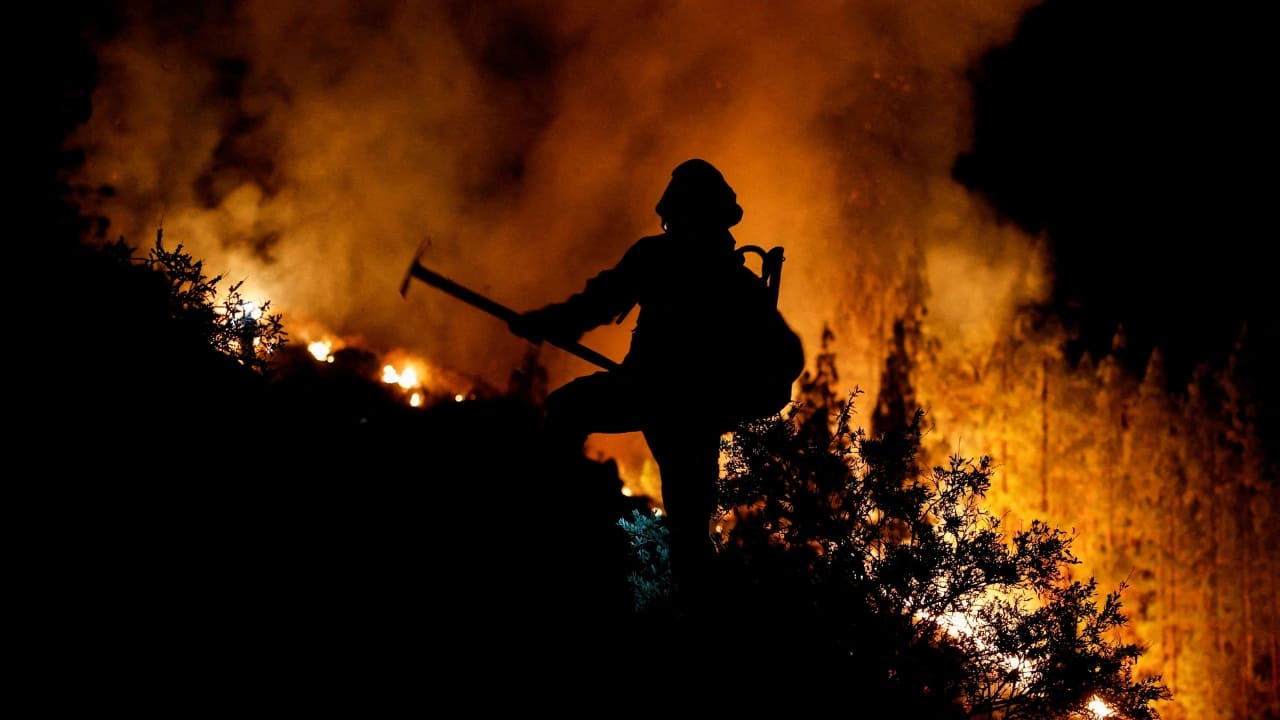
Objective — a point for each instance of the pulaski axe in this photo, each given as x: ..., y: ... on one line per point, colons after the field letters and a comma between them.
x: 418, y: 271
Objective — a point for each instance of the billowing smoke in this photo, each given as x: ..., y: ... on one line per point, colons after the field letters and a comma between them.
x: 309, y: 148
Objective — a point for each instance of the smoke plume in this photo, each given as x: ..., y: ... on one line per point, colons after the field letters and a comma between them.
x: 310, y: 148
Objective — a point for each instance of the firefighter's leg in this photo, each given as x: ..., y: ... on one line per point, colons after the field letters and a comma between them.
x: 602, y: 402
x: 688, y: 464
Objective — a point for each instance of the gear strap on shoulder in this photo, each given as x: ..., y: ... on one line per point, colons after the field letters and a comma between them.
x: 770, y: 266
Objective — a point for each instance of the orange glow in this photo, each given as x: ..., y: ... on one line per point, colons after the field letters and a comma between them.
x: 408, y: 378
x: 321, y: 350
x: 957, y: 625
x: 390, y: 375
x: 1099, y: 708
x: 403, y: 130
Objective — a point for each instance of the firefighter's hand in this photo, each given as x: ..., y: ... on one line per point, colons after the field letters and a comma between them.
x: 538, y: 326
x: 531, y: 326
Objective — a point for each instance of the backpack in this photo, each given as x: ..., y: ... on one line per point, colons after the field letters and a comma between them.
x: 773, y: 353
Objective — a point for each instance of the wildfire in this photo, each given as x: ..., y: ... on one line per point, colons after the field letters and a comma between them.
x: 419, y: 382
x: 321, y: 198
x: 1099, y: 708
x: 408, y: 372
x: 406, y: 378
x: 321, y: 350
x: 959, y: 624
x: 963, y: 625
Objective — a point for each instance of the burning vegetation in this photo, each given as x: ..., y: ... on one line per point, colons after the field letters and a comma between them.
x: 835, y: 549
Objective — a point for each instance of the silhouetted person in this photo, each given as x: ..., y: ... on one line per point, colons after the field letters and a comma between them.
x: 706, y: 324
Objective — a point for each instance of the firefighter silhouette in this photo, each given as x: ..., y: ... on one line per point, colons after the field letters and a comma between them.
x: 706, y: 333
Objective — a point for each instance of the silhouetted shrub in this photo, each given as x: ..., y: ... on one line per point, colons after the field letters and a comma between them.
x: 841, y: 560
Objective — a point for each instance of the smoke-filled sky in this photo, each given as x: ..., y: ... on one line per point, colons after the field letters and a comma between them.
x: 310, y: 148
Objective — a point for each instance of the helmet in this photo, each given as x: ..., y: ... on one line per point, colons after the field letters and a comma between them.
x: 699, y: 195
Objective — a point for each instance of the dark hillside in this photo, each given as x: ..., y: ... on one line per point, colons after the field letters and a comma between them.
x: 203, y: 520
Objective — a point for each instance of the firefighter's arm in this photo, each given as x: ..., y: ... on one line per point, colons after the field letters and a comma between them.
x: 604, y: 298
x: 539, y: 325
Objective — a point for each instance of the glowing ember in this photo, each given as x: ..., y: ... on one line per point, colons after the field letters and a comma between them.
x: 408, y: 378
x: 1099, y: 708
x: 459, y: 397
x: 321, y: 350
x: 389, y: 375
x: 415, y: 400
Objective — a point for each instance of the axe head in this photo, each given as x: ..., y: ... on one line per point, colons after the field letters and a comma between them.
x: 413, y: 264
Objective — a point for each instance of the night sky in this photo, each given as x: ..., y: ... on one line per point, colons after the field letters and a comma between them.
x: 1135, y: 135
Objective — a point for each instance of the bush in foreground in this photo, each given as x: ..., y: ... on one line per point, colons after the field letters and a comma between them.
x: 847, y: 568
